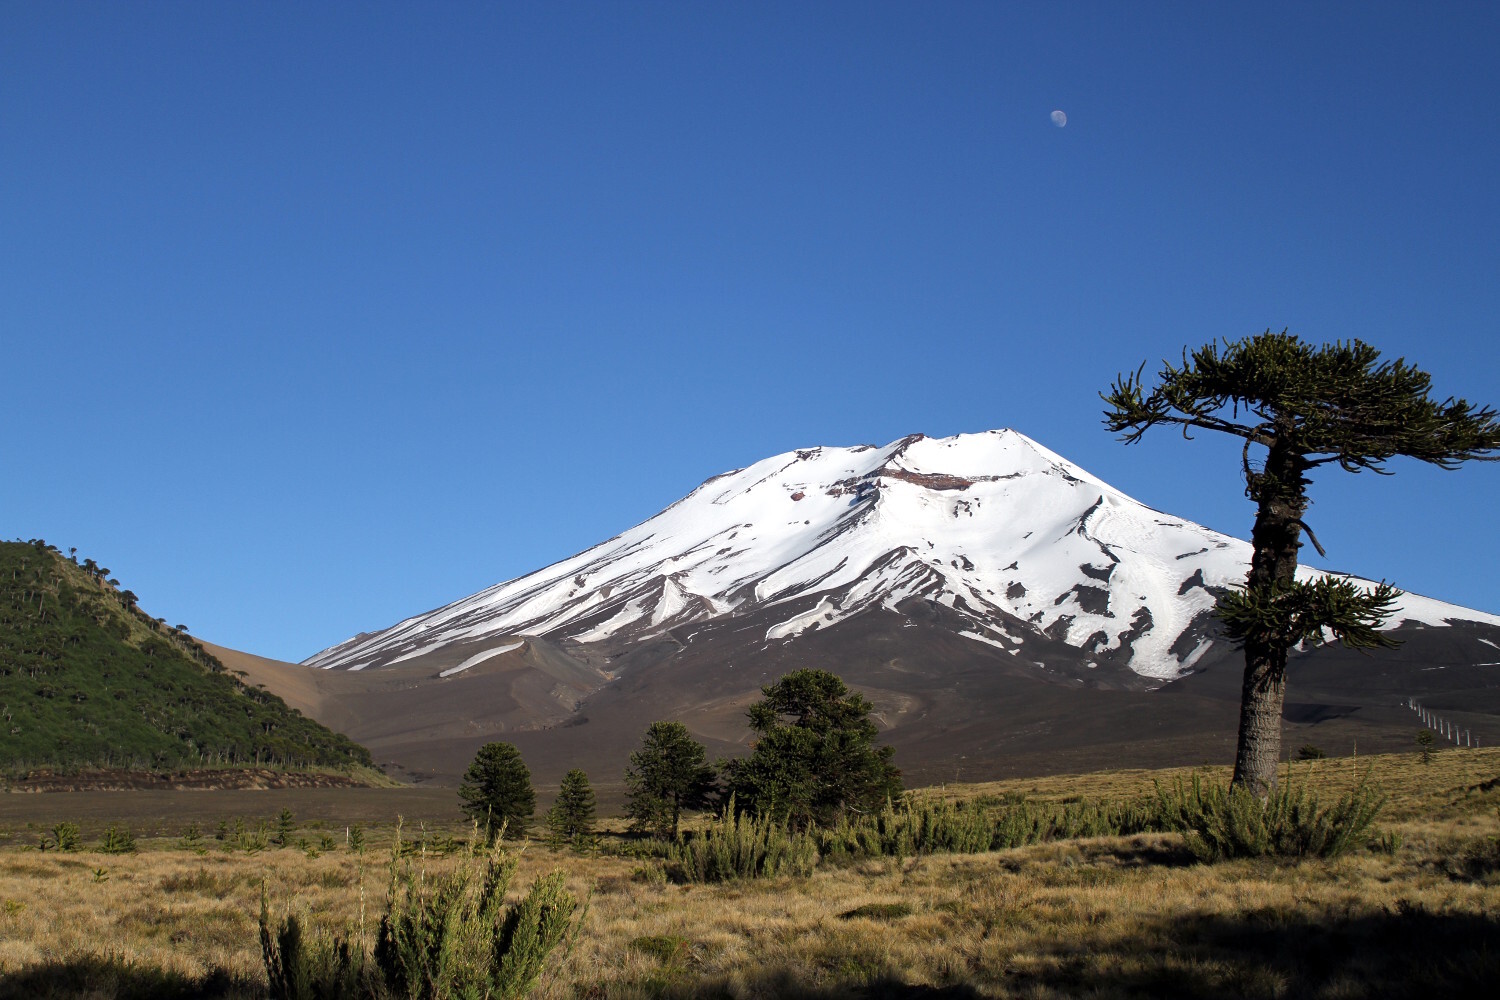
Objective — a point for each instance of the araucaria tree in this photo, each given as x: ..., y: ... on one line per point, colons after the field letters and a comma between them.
x: 666, y: 775
x: 571, y: 819
x: 496, y: 791
x: 816, y: 758
x: 1307, y: 407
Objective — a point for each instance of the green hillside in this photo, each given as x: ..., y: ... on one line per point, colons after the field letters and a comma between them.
x: 88, y: 680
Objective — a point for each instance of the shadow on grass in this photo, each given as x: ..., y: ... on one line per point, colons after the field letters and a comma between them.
x: 118, y: 978
x: 788, y: 985
x: 1407, y: 953
x: 1147, y: 852
x: 1137, y: 852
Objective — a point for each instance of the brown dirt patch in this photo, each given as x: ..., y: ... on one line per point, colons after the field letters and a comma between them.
x: 180, y: 781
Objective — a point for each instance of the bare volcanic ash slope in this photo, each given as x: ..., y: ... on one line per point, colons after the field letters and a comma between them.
x: 1001, y: 606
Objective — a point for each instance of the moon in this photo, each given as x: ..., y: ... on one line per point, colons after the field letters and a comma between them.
x: 1059, y: 119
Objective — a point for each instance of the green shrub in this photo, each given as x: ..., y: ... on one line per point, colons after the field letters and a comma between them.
x: 917, y: 826
x: 459, y: 939
x: 452, y: 937
x: 325, y: 968
x: 1218, y: 821
x: 920, y: 826
x: 251, y: 842
x: 742, y: 846
x: 117, y: 840
x: 1035, y: 822
x: 1224, y: 822
x: 62, y: 837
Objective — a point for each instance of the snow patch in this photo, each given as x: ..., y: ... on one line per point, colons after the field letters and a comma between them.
x: 631, y: 612
x: 480, y: 658
x: 1194, y: 656
x: 823, y: 614
x: 986, y: 639
x: 672, y: 603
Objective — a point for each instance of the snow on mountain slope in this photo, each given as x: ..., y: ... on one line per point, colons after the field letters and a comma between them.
x: 1013, y: 538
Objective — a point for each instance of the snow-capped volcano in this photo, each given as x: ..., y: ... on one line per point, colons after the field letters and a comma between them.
x: 1019, y: 545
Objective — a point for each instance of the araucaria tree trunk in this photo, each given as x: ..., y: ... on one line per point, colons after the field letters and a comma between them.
x: 1281, y: 500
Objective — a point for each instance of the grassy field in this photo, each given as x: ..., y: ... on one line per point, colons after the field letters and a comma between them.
x: 1105, y: 917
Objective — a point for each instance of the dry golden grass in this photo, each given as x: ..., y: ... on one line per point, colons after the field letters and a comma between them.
x: 1110, y: 917
x: 1414, y: 788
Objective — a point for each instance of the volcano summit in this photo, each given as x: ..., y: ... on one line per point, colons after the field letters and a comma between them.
x: 1019, y: 544
x: 928, y: 570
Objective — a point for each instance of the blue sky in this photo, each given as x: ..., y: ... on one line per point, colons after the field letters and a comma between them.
x: 313, y: 317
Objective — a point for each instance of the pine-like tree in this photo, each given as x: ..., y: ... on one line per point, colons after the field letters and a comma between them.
x: 496, y: 791
x: 816, y: 757
x: 668, y: 774
x: 1424, y: 743
x: 286, y: 825
x: 571, y: 818
x: 1307, y: 407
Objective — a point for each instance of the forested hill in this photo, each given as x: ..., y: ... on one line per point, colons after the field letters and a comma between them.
x: 89, y: 680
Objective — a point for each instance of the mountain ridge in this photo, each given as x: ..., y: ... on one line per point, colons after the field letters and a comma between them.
x: 90, y: 681
x: 1005, y: 611
x: 1021, y: 543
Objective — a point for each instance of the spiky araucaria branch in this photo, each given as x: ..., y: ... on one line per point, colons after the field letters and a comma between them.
x: 1334, y: 403
x: 1301, y: 611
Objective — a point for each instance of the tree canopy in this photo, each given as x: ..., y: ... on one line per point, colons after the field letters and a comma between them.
x: 1307, y: 406
x: 496, y: 791
x: 88, y: 680
x: 816, y: 757
x: 1334, y: 403
x: 666, y: 775
x: 571, y: 818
